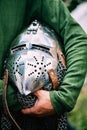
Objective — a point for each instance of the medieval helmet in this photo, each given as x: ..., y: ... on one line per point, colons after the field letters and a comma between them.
x: 32, y: 54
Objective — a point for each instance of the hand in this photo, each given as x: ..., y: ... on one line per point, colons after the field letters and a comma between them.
x: 42, y: 106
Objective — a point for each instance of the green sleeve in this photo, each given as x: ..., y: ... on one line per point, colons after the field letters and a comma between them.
x: 75, y: 50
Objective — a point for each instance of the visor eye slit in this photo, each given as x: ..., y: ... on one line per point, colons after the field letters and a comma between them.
x: 18, y: 48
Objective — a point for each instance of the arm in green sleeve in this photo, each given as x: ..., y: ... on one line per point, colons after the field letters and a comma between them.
x: 57, y: 16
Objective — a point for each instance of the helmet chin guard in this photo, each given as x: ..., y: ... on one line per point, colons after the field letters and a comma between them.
x: 32, y: 54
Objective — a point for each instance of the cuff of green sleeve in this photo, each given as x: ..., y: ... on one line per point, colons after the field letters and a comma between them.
x: 56, y: 104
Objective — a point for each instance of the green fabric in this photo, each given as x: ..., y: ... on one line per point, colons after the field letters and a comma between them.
x: 16, y: 15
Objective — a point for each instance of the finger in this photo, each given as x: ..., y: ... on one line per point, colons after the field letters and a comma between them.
x: 27, y: 111
x: 37, y: 93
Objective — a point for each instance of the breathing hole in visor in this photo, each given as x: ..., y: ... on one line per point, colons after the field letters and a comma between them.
x: 39, y: 68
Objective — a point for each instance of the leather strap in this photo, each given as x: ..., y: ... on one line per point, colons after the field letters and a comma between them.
x: 61, y: 57
x: 53, y: 78
x: 52, y: 75
x: 5, y: 104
